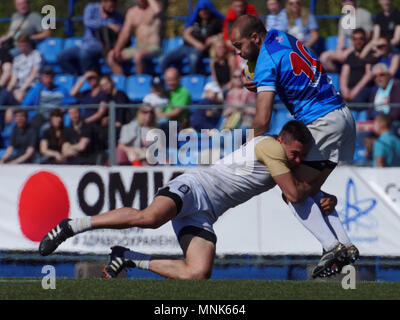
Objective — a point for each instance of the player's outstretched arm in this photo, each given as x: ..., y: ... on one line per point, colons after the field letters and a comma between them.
x: 264, y: 106
x: 293, y: 189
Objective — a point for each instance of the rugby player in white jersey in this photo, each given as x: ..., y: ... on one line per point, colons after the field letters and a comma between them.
x: 194, y: 201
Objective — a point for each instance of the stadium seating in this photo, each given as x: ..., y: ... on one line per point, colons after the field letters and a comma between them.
x: 331, y: 42
x: 195, y: 84
x: 119, y: 81
x: 138, y: 86
x: 65, y: 80
x: 72, y: 42
x: 50, y: 48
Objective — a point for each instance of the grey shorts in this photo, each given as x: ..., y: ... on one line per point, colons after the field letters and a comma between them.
x: 194, y: 209
x: 334, y: 137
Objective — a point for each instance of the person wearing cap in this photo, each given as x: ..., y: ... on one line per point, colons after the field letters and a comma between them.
x: 156, y: 97
x: 363, y: 19
x: 45, y: 95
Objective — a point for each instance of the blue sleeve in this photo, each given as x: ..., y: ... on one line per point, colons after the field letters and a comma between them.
x: 32, y: 97
x: 91, y: 16
x: 265, y: 73
x: 312, y: 23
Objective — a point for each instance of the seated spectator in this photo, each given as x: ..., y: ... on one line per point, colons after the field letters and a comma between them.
x: 301, y: 23
x: 387, y: 23
x: 201, y: 30
x: 25, y: 69
x: 178, y: 97
x: 99, y: 18
x: 387, y: 91
x: 222, y: 64
x: 207, y: 118
x: 23, y: 21
x: 23, y: 141
x: 157, y: 97
x: 144, y: 18
x: 132, y: 144
x: 46, y: 94
x: 276, y: 19
x: 5, y: 68
x: 355, y: 77
x: 52, y: 140
x: 386, y: 149
x: 122, y: 115
x: 382, y: 51
x: 79, y: 144
x: 363, y: 18
x: 238, y: 111
x: 93, y: 96
x: 237, y: 9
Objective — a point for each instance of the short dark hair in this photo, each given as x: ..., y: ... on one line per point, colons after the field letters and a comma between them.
x: 386, y: 119
x: 360, y: 30
x: 247, y: 24
x: 23, y: 111
x: 56, y: 113
x: 24, y: 38
x: 297, y: 131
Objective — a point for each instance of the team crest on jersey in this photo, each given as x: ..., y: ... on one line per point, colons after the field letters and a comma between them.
x: 184, y: 189
x: 279, y: 39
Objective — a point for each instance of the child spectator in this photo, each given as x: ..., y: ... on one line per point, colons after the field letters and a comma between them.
x: 386, y: 149
x: 51, y: 142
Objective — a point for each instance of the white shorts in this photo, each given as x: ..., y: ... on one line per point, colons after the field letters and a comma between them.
x: 334, y: 137
x: 194, y: 208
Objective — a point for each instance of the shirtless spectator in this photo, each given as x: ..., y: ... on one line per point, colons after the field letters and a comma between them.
x: 144, y: 19
x: 23, y: 21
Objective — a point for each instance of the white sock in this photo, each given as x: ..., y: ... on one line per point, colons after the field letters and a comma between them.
x: 81, y: 224
x: 309, y: 214
x: 334, y: 223
x: 141, y: 260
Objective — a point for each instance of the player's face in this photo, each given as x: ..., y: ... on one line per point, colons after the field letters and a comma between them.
x: 295, y: 151
x: 248, y: 49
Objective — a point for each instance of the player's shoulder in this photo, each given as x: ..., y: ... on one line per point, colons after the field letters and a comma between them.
x: 277, y: 42
x: 269, y: 147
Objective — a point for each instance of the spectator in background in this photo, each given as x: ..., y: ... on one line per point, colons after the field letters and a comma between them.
x: 237, y: 9
x: 363, y: 18
x: 387, y: 23
x: 276, y: 19
x: 122, y: 115
x: 25, y: 73
x: 178, y: 97
x: 386, y: 149
x: 208, y: 118
x: 144, y: 18
x: 79, y: 144
x: 355, y: 77
x: 23, y: 21
x: 132, y: 144
x: 23, y: 141
x: 93, y: 96
x: 382, y: 51
x: 222, y: 64
x: 201, y: 29
x: 52, y: 140
x: 48, y: 95
x: 301, y: 23
x: 99, y: 19
x: 5, y: 68
x: 387, y: 91
x: 157, y: 97
x: 238, y: 100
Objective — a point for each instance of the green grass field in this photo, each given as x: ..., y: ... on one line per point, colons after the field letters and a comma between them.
x: 149, y: 289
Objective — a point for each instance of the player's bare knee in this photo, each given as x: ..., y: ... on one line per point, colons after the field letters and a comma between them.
x: 197, y: 274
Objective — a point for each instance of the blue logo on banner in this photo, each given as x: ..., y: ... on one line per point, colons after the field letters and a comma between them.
x: 356, y: 214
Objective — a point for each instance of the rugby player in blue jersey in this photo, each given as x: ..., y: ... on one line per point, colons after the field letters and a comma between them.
x: 280, y: 64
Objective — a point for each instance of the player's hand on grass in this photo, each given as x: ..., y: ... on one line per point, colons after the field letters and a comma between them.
x: 327, y: 204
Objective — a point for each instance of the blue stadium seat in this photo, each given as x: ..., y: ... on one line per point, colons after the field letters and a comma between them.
x: 206, y: 65
x: 335, y: 80
x: 195, y: 84
x: 50, y: 48
x: 72, y: 42
x: 64, y: 80
x: 138, y: 86
x: 331, y: 42
x: 119, y: 81
x: 104, y: 68
x: 171, y: 43
x: 362, y: 115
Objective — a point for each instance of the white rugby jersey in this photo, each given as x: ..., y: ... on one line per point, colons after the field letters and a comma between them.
x: 237, y: 177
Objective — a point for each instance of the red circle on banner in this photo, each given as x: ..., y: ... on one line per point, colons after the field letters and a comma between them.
x: 43, y: 203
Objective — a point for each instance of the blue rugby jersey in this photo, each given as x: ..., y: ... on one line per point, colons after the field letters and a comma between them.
x: 285, y: 66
